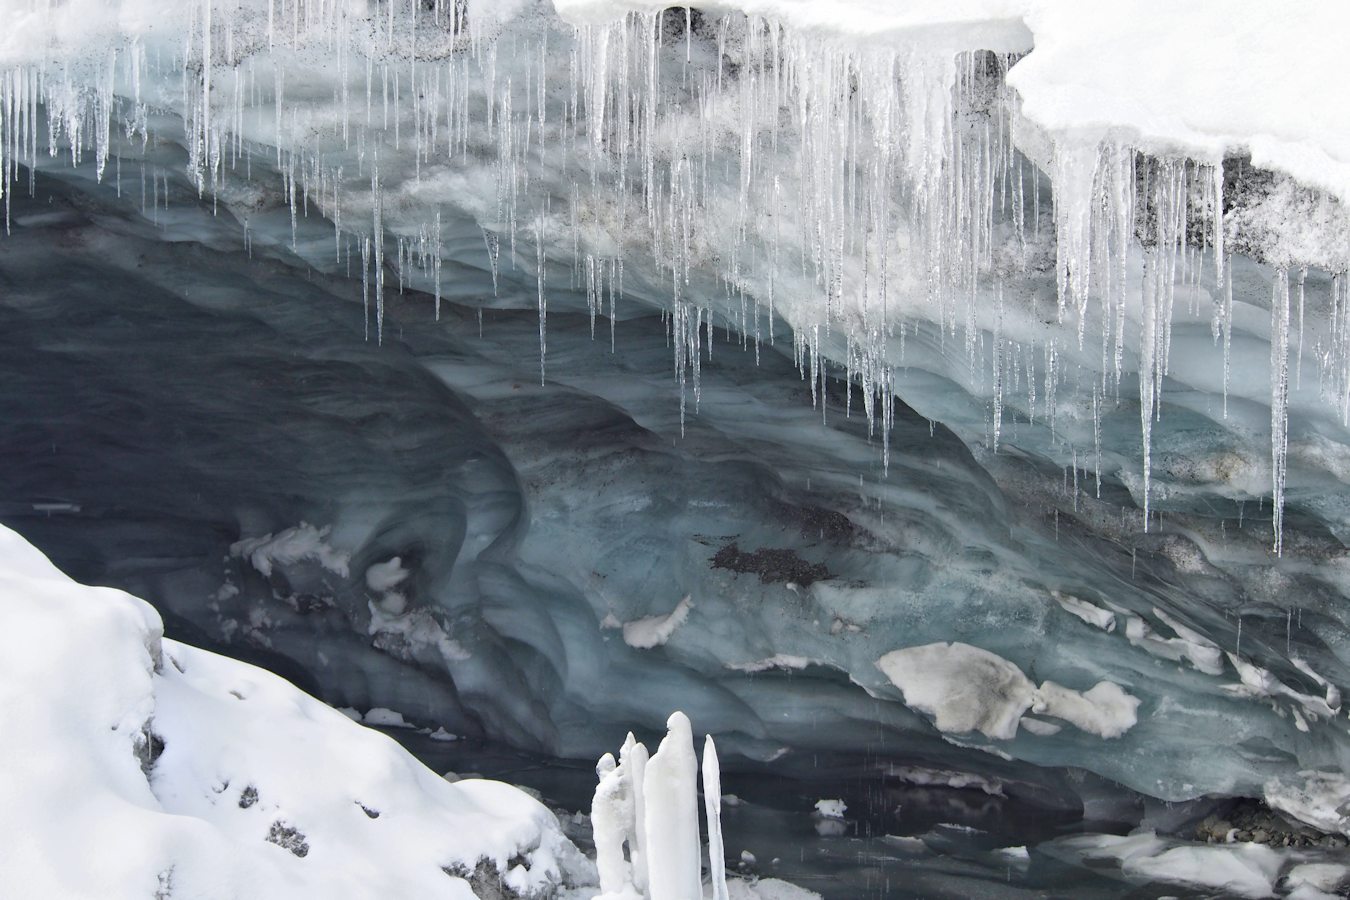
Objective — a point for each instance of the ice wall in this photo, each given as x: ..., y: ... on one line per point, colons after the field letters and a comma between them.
x: 863, y: 173
x: 1129, y: 399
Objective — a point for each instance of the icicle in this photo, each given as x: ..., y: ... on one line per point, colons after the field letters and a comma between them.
x: 1279, y: 400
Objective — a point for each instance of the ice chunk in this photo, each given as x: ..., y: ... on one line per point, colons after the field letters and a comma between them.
x: 964, y: 688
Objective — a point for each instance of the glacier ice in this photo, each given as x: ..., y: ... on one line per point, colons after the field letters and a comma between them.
x: 1102, y: 366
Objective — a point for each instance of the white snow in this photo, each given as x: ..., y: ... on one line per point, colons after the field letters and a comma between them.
x: 654, y: 631
x: 387, y: 575
x: 1258, y: 682
x: 1321, y: 799
x: 962, y: 687
x: 1242, y: 869
x: 965, y: 689
x: 777, y: 661
x: 767, y: 889
x: 87, y: 683
x: 1200, y: 78
x: 1104, y: 710
x: 831, y: 809
x: 922, y: 775
x: 1313, y: 881
x: 387, y: 718
x: 292, y: 545
x: 1203, y: 654
x: 1090, y: 613
x: 611, y: 813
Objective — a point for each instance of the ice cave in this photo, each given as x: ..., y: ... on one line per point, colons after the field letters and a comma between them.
x: 760, y: 450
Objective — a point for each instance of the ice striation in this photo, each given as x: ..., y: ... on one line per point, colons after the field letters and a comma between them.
x: 870, y: 194
x: 1103, y: 371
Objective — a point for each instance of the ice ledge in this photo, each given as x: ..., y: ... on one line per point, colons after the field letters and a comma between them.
x: 1202, y: 80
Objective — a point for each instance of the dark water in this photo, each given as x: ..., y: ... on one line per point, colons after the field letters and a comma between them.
x: 897, y: 841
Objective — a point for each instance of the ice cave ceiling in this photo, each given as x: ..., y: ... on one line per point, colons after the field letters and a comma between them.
x: 538, y: 375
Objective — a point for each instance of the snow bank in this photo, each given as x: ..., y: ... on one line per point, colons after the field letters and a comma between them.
x: 141, y: 767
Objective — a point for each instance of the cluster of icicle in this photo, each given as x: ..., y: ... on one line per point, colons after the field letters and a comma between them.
x: 726, y: 155
x: 651, y: 805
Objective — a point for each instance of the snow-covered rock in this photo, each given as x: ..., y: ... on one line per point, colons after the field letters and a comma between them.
x: 142, y: 767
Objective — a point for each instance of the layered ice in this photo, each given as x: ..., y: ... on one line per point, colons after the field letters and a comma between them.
x: 973, y: 344
x: 524, y: 517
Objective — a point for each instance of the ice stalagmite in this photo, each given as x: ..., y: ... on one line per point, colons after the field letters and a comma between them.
x: 611, y: 813
x: 670, y: 789
x: 633, y: 757
x: 712, y: 808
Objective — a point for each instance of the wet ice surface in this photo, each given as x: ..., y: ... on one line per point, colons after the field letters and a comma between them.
x: 207, y: 399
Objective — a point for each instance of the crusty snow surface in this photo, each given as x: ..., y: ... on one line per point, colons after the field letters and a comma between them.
x: 260, y: 791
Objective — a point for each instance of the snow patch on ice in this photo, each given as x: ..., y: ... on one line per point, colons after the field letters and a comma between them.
x: 1104, y: 710
x: 966, y: 689
x: 1320, y: 799
x: 831, y: 809
x: 1089, y: 612
x: 290, y: 546
x: 654, y: 631
x: 387, y: 718
x: 777, y: 661
x: 962, y: 687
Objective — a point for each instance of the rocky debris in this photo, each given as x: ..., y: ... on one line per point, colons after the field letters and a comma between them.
x: 289, y: 838
x: 1255, y: 822
x: 486, y: 879
x: 770, y: 564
